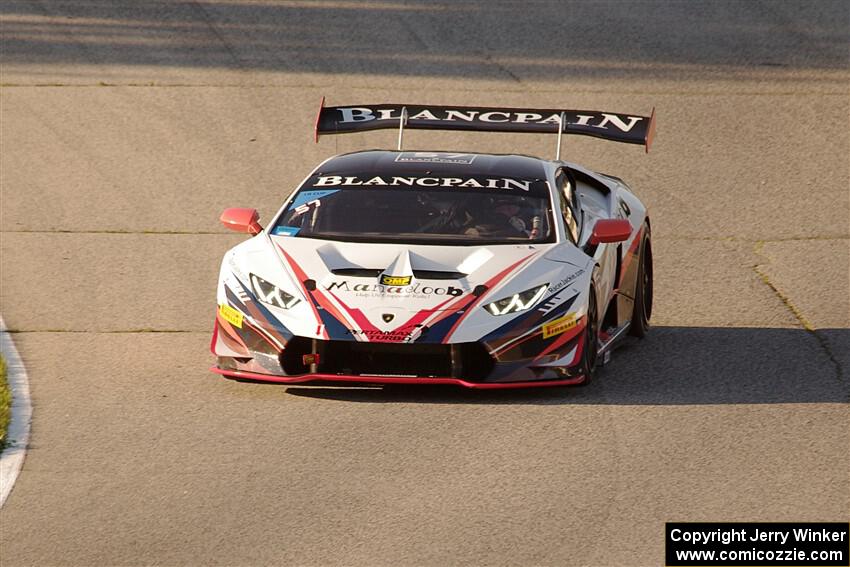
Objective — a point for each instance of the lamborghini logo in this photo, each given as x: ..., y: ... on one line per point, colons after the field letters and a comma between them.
x: 395, y: 280
x: 387, y: 317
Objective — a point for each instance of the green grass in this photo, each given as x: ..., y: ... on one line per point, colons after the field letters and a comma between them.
x: 5, y: 403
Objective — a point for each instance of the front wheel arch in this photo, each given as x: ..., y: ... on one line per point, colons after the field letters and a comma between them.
x: 590, y: 338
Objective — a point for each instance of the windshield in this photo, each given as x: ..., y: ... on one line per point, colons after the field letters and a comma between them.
x: 412, y: 215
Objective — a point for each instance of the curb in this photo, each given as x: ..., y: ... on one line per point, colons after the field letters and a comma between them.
x: 12, y: 458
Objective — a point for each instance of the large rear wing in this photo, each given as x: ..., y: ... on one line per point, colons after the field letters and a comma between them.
x: 617, y: 127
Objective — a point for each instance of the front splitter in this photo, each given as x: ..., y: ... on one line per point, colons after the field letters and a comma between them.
x: 306, y: 378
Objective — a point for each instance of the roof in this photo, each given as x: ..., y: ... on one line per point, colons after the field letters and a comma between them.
x: 435, y: 163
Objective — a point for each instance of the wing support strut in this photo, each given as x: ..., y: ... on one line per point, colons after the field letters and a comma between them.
x: 561, y: 121
x: 402, y: 122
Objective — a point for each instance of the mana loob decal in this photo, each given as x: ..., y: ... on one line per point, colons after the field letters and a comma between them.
x: 391, y: 291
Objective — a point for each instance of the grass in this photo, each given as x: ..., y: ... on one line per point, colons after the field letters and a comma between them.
x: 5, y: 403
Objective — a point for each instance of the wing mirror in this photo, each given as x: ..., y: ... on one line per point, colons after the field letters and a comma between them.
x: 242, y: 220
x: 610, y: 230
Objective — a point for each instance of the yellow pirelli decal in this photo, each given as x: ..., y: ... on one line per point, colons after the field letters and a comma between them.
x: 560, y: 325
x: 231, y: 315
x: 395, y: 280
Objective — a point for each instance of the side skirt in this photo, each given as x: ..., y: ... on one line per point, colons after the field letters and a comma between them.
x: 606, y: 346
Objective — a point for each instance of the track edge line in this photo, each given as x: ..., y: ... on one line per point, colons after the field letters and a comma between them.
x: 13, y: 455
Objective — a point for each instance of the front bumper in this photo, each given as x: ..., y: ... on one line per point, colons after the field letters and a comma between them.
x: 251, y: 352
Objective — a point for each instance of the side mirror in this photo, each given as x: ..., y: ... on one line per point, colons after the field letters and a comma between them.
x: 242, y: 220
x: 611, y: 230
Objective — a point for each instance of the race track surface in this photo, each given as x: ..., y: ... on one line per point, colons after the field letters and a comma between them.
x: 125, y: 129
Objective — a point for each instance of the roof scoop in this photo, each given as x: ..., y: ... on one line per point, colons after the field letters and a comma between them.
x: 399, y: 272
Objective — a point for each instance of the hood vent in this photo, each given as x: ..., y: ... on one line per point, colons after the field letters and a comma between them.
x: 358, y: 272
x: 437, y: 275
x: 418, y: 274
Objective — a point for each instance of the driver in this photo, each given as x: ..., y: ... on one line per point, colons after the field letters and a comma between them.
x: 443, y: 216
x: 501, y: 219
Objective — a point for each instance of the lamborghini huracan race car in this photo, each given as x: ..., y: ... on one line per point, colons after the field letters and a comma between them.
x: 481, y: 270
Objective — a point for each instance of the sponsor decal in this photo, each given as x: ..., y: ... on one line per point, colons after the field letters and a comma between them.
x: 306, y: 196
x: 413, y: 181
x: 435, y: 157
x: 554, y: 302
x: 286, y: 230
x: 597, y: 120
x: 555, y: 287
x: 301, y: 209
x: 387, y: 317
x: 403, y: 335
x: 231, y: 315
x: 390, y: 291
x: 241, y: 293
x: 559, y: 325
x: 395, y: 280
x: 236, y: 272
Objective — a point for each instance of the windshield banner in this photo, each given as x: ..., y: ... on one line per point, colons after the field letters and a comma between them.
x: 535, y: 187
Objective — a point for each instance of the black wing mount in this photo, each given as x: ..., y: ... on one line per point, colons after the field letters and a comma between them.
x: 617, y: 127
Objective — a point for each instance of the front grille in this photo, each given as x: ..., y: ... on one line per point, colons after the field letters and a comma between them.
x: 468, y: 361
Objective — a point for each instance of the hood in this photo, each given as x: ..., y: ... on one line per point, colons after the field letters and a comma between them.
x: 409, y: 277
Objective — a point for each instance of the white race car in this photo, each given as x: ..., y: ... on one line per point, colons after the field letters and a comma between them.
x: 482, y: 270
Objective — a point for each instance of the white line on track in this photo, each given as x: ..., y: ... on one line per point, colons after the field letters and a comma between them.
x: 18, y: 433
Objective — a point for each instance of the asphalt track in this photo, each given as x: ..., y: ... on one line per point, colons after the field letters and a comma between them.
x: 126, y: 128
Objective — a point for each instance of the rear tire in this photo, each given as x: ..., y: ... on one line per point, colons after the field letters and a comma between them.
x: 643, y: 289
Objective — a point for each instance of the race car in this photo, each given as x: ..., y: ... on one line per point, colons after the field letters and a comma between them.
x: 438, y: 267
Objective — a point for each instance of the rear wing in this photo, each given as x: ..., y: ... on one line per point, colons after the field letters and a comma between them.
x: 617, y: 127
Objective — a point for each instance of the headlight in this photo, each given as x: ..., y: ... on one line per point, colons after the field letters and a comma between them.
x: 271, y: 294
x: 518, y: 301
